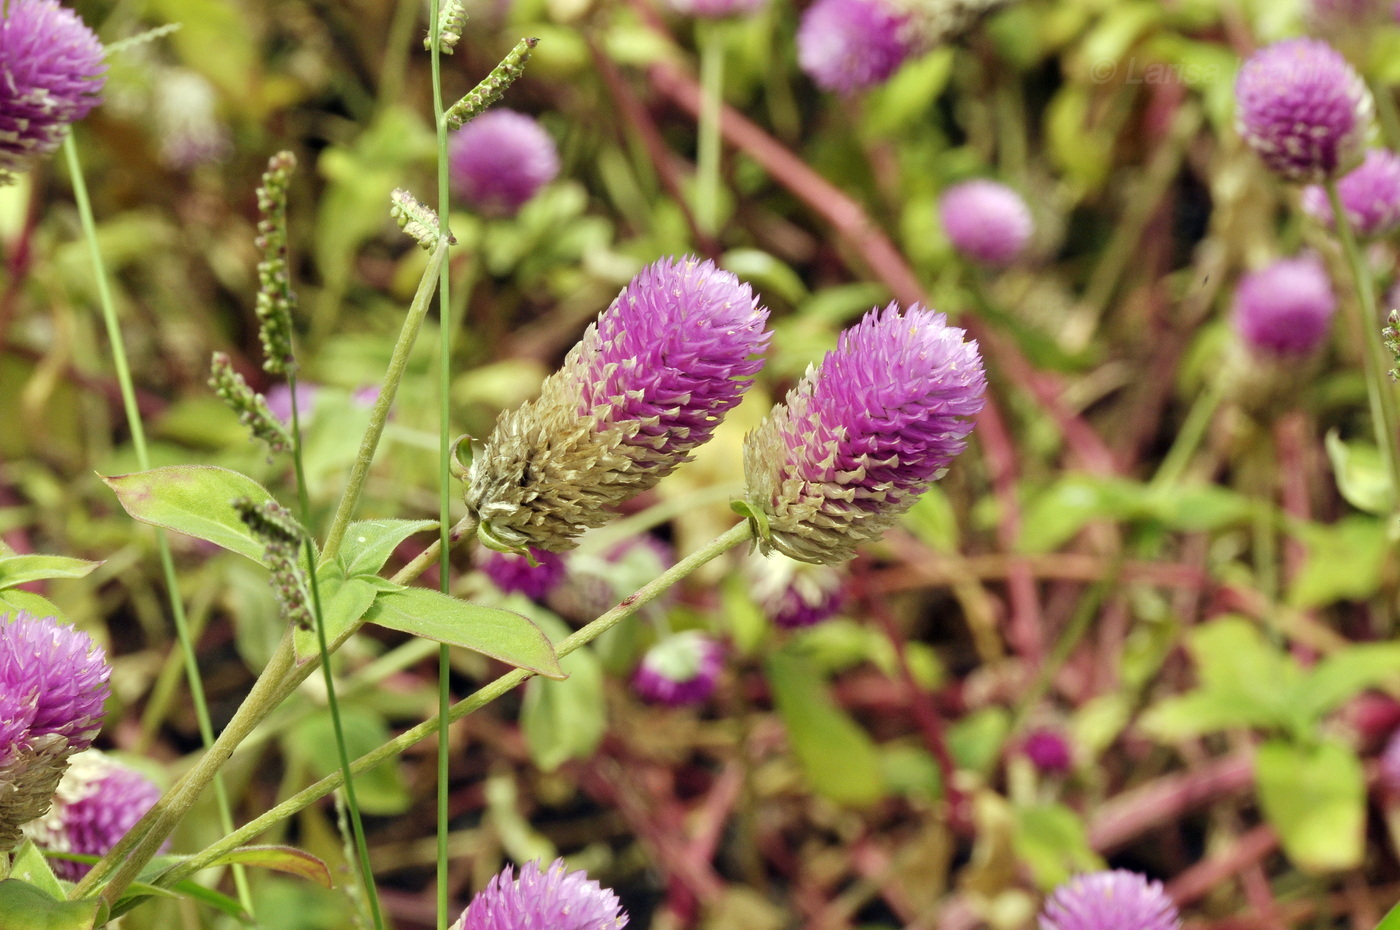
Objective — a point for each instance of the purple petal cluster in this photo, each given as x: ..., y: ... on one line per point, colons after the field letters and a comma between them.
x: 649, y: 382
x: 97, y: 801
x: 988, y: 223
x: 1370, y: 195
x: 680, y: 670
x: 514, y: 574
x: 796, y: 594
x: 863, y: 435
x: 1303, y: 109
x: 51, y: 72
x: 1390, y: 764
x: 1048, y: 751
x: 1117, y: 900
x: 552, y: 899
x: 1285, y: 309
x: 717, y: 9
x: 500, y: 160
x: 849, y: 45
x: 53, y: 684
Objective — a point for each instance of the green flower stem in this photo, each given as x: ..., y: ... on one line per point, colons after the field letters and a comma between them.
x: 444, y: 469
x: 485, y: 695
x: 143, y: 458
x: 318, y: 618
x: 408, y: 334
x: 708, y: 144
x: 1378, y: 389
x: 1189, y: 439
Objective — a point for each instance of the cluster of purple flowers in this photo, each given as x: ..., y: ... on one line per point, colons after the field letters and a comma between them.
x: 53, y: 684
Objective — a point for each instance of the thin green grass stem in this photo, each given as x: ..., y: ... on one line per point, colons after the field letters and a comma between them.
x: 646, y: 594
x: 332, y: 703
x: 1378, y: 387
x: 711, y: 40
x: 143, y: 459
x: 1192, y: 434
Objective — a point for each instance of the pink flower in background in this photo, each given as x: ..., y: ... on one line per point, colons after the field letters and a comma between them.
x: 987, y: 222
x: 1117, y: 900
x: 681, y: 669
x: 1370, y: 195
x: 1285, y: 309
x: 500, y: 160
x: 850, y: 45
x: 552, y: 899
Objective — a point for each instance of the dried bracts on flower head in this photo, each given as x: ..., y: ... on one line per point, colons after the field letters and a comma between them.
x: 863, y: 435
x: 53, y: 684
x: 649, y: 382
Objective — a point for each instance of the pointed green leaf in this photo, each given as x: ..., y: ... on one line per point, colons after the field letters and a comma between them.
x: 369, y: 543
x: 12, y: 601
x: 343, y: 604
x: 196, y: 500
x: 1315, y: 797
x: 1051, y: 840
x: 565, y: 720
x: 1391, y: 921
x: 1345, y: 674
x: 280, y: 859
x: 25, y: 907
x: 838, y: 757
x: 492, y: 631
x: 19, y: 569
x: 31, y: 867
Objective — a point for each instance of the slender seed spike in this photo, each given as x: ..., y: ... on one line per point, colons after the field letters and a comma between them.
x: 452, y: 19
x: 416, y: 218
x: 492, y: 87
x: 282, y: 537
x: 276, y: 301
x: 251, y: 407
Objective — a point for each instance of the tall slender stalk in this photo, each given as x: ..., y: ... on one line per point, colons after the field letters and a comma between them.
x: 708, y: 144
x: 143, y: 459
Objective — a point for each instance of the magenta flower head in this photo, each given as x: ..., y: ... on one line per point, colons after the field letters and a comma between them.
x: 1048, y: 751
x: 796, y: 594
x: 717, y: 9
x: 1284, y: 310
x: 680, y: 670
x: 649, y: 382
x: 513, y: 573
x: 500, y: 160
x: 54, y: 683
x: 1370, y: 194
x: 849, y: 45
x: 1390, y: 765
x: 97, y: 801
x: 1117, y: 900
x: 987, y: 222
x: 51, y: 72
x: 1303, y: 109
x: 863, y: 435
x: 553, y: 899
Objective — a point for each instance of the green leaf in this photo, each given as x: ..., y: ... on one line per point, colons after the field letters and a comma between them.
x: 369, y: 543
x: 1345, y: 674
x: 1344, y: 562
x: 1361, y: 475
x: 343, y: 603
x: 31, y: 867
x: 1051, y: 840
x: 283, y: 859
x: 12, y: 601
x: 1315, y: 796
x: 975, y: 741
x: 381, y: 790
x: 564, y: 720
x: 840, y: 760
x: 492, y: 631
x: 1391, y: 921
x: 25, y: 907
x: 19, y: 569
x: 196, y: 500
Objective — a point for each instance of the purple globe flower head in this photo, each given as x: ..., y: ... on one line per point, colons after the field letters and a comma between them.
x: 1370, y: 194
x: 1048, y: 751
x: 796, y: 594
x: 500, y: 160
x: 850, y: 45
x: 96, y: 802
x: 1390, y: 764
x: 279, y: 401
x: 52, y: 72
x: 1303, y: 110
x: 648, y: 382
x: 988, y: 223
x: 513, y: 573
x: 717, y: 9
x: 187, y: 122
x: 681, y: 669
x: 1117, y: 900
x: 55, y: 684
x: 863, y: 435
x: 552, y: 899
x: 1284, y: 310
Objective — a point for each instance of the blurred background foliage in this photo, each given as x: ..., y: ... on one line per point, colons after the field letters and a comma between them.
x: 1223, y: 690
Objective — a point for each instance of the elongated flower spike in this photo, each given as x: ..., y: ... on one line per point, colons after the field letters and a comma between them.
x: 276, y: 299
x: 51, y: 72
x: 492, y: 87
x: 251, y: 407
x: 543, y: 899
x: 452, y: 19
x: 863, y: 435
x: 649, y: 382
x: 53, y: 684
